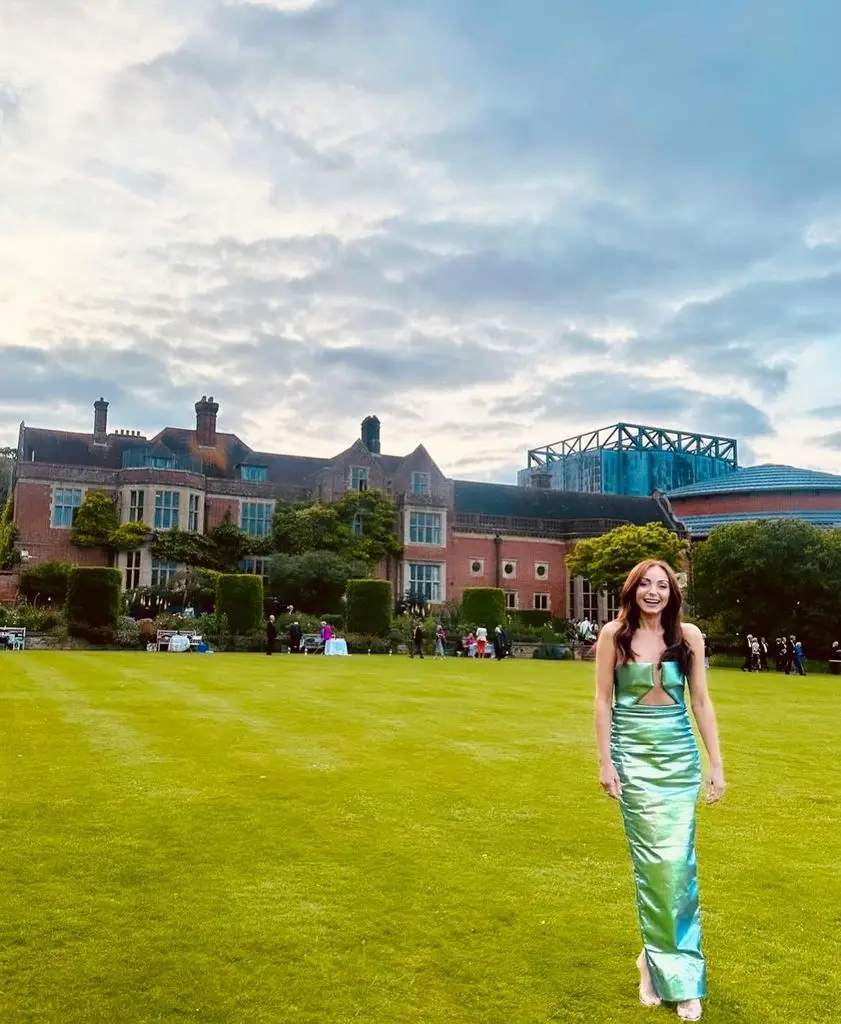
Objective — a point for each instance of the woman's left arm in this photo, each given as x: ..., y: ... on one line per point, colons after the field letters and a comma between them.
x: 702, y: 709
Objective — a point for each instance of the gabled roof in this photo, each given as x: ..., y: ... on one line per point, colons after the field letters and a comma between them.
x: 539, y: 503
x: 761, y: 478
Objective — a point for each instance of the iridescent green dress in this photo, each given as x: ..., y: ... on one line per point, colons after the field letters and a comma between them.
x: 656, y: 757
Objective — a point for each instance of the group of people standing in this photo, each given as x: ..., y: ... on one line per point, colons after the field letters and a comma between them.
x: 473, y: 645
x: 788, y: 655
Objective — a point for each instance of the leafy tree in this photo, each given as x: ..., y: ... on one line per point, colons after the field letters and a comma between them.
x: 96, y: 525
x: 770, y: 578
x: 370, y: 522
x: 360, y: 526
x: 95, y: 521
x: 606, y: 561
x: 313, y: 582
x: 228, y: 545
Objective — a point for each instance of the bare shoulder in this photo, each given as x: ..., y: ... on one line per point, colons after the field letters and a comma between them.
x: 610, y: 629
x: 691, y: 633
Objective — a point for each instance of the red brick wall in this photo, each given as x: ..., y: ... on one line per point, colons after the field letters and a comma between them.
x: 216, y: 509
x: 32, y: 518
x: 8, y: 587
x: 464, y: 548
x: 771, y: 501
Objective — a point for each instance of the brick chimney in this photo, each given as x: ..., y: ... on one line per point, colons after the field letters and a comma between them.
x: 206, y: 411
x: 100, y: 422
x: 371, y: 434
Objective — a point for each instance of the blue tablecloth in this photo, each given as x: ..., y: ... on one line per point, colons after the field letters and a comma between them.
x: 336, y: 646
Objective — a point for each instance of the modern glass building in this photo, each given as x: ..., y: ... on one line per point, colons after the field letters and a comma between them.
x: 630, y: 459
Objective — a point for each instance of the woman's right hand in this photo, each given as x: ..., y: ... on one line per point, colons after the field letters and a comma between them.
x: 609, y: 781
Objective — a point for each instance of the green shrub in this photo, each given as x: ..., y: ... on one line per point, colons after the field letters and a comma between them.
x: 369, y: 606
x: 46, y: 582
x: 360, y: 643
x: 530, y: 617
x: 336, y: 621
x: 240, y: 597
x: 128, y: 633
x: 483, y: 606
x: 98, y: 636
x: 93, y: 600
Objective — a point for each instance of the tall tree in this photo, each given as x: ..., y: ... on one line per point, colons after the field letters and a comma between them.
x: 770, y: 578
x: 370, y: 519
x: 313, y: 582
x: 606, y: 561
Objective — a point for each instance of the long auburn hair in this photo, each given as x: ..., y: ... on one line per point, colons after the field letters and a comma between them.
x: 628, y: 618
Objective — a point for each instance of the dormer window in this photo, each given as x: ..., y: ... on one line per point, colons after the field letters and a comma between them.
x: 255, y: 474
x: 359, y: 478
x: 420, y: 483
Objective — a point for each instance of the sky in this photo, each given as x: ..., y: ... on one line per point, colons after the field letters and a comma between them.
x: 492, y: 223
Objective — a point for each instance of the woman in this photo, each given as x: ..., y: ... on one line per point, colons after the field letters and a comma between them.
x: 649, y: 762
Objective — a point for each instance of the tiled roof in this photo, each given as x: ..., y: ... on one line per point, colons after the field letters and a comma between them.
x: 700, y: 526
x: 761, y: 478
x: 537, y: 503
x: 67, y: 448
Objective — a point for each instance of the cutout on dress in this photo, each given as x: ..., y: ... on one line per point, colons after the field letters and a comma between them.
x: 656, y: 690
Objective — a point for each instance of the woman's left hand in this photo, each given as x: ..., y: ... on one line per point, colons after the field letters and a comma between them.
x: 715, y: 785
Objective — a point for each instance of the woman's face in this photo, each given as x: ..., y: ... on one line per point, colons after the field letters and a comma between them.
x: 653, y: 592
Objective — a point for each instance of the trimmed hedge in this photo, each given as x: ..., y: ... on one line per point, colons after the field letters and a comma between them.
x: 93, y: 601
x: 533, y: 618
x: 483, y: 606
x: 46, y: 581
x: 369, y: 607
x: 239, y: 596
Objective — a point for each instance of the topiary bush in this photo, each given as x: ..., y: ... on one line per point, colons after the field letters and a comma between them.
x: 93, y: 601
x: 46, y: 582
x: 369, y: 607
x: 483, y: 606
x: 239, y: 596
x: 533, y: 618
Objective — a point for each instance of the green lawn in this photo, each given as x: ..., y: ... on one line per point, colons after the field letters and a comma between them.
x: 236, y: 839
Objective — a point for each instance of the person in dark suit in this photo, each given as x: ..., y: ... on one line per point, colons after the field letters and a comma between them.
x: 271, y: 635
x: 295, y: 634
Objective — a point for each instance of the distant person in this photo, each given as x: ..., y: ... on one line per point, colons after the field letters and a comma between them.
x: 706, y: 651
x: 763, y: 654
x: 326, y: 633
x: 789, y: 658
x: 417, y: 641
x: 799, y: 659
x: 440, y: 640
x: 499, y: 643
x: 271, y: 635
x: 295, y: 635
x: 481, y: 641
x: 746, y: 667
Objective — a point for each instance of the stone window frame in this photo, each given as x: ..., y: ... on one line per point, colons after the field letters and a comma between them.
x: 170, y: 514
x: 425, y: 489
x: 542, y: 602
x: 512, y: 600
x: 476, y: 573
x: 359, y: 479
x: 537, y: 574
x: 72, y: 505
x: 509, y: 575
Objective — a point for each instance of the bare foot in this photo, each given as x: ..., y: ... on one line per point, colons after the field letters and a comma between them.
x: 648, y: 997
x: 689, y: 1009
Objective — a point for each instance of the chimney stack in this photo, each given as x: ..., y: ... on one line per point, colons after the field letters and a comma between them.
x: 371, y: 434
x: 206, y: 411
x: 100, y: 422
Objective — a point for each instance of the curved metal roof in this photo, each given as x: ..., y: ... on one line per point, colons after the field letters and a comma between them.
x: 701, y: 526
x: 761, y: 478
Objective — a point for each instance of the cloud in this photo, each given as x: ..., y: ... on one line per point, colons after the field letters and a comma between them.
x: 320, y: 209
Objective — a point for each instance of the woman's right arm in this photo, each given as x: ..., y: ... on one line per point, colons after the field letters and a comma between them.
x: 605, y: 667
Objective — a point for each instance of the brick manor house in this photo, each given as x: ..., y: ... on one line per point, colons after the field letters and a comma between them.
x: 456, y: 533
